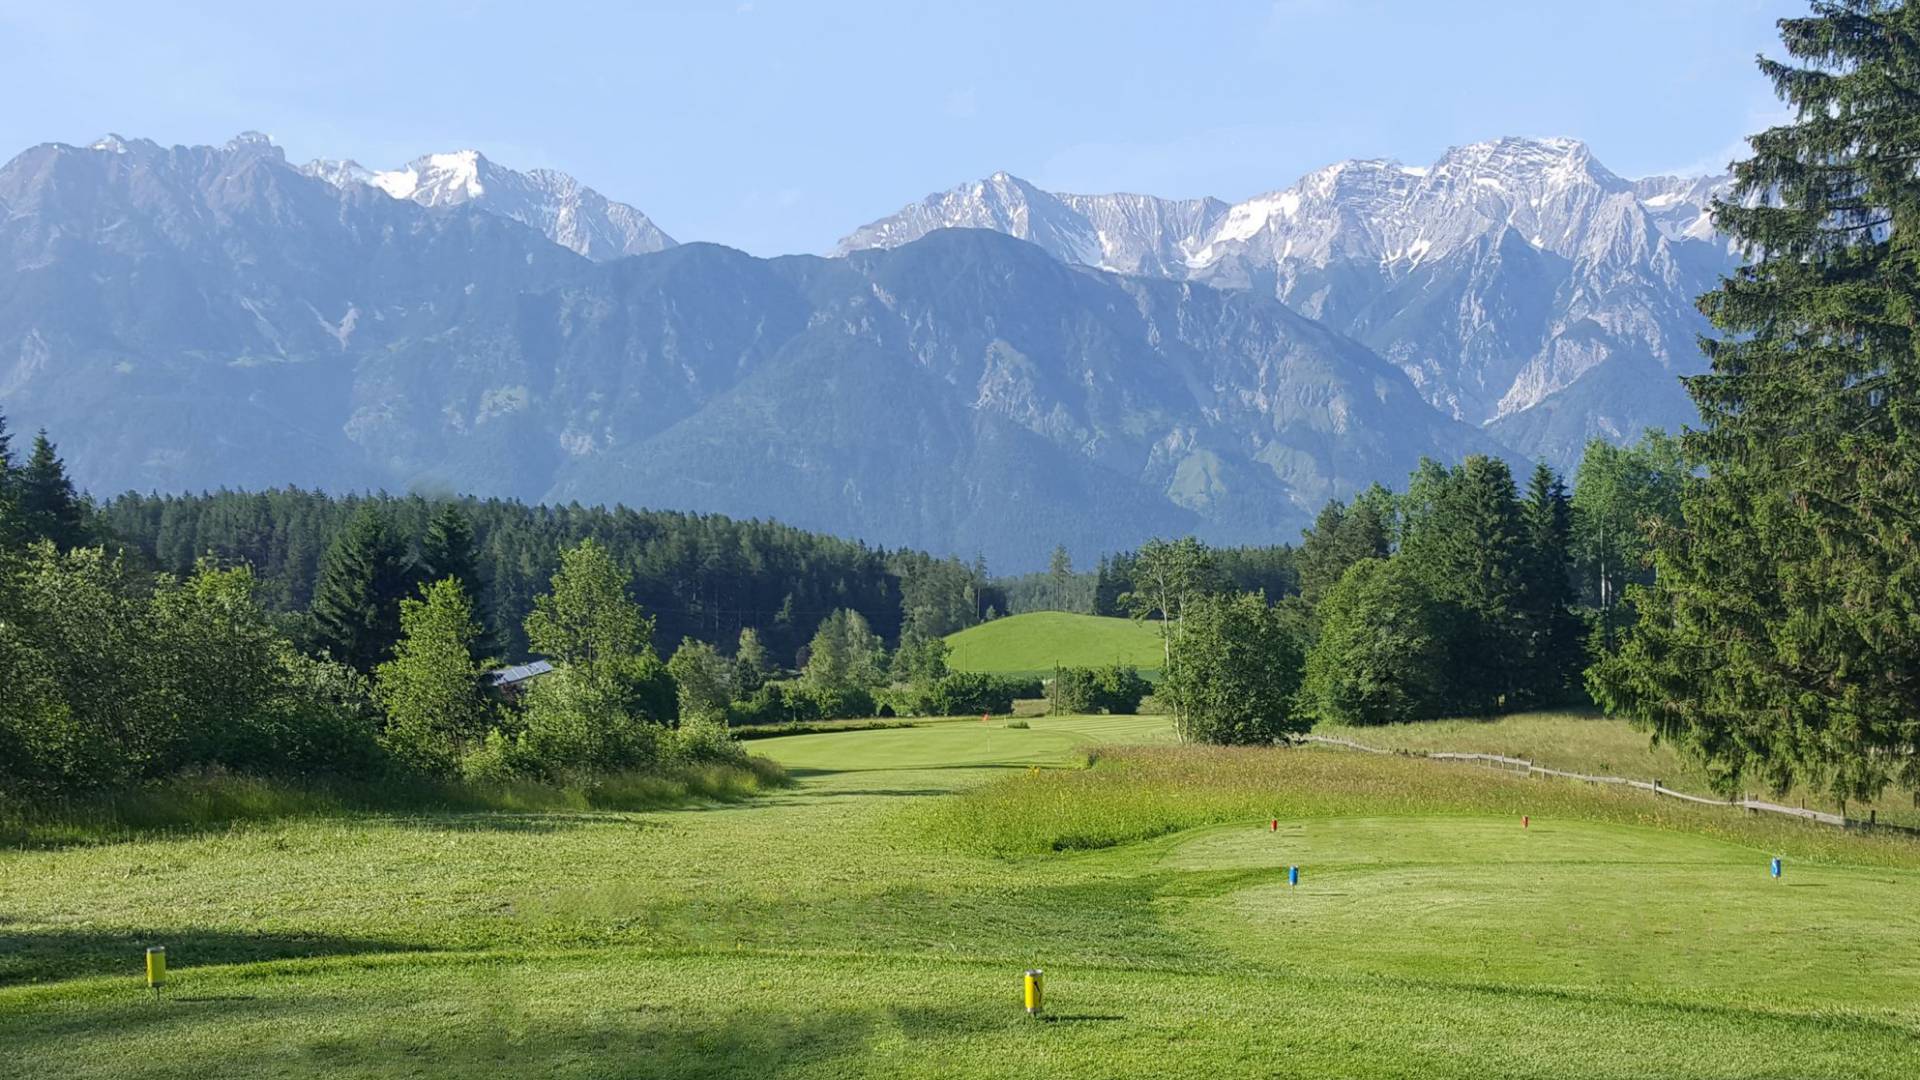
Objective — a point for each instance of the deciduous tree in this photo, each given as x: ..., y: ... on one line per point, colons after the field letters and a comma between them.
x: 1233, y: 671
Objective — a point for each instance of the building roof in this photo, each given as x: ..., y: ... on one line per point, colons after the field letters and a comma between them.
x: 518, y: 673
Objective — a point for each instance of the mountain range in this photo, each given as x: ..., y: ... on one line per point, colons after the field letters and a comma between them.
x: 1519, y: 283
x: 1112, y: 368
x: 564, y: 210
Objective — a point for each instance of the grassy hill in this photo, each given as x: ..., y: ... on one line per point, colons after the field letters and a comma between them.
x: 1033, y: 643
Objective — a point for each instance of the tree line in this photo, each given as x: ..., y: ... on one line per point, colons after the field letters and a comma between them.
x: 702, y: 576
x: 1460, y: 595
x: 120, y: 670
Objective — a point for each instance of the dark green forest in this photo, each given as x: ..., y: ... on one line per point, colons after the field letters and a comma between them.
x: 701, y: 576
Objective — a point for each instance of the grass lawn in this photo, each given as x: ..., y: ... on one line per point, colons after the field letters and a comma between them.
x: 873, y: 921
x: 1031, y: 644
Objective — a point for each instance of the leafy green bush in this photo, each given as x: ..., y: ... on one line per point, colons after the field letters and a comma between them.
x: 842, y: 703
x: 700, y: 742
x: 108, y: 679
x: 1024, y: 686
x: 575, y: 725
x: 964, y: 693
x: 1121, y: 688
x: 1116, y: 688
x: 799, y: 703
x: 1073, y: 690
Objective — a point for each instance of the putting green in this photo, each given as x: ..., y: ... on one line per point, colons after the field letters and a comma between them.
x: 1559, y: 904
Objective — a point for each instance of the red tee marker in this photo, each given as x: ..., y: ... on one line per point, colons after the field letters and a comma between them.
x: 1524, y: 821
x: 1275, y: 827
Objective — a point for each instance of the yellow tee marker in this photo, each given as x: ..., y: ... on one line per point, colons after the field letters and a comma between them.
x: 1033, y: 988
x: 156, y: 966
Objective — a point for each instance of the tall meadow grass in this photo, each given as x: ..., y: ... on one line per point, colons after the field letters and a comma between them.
x: 1136, y: 793
x: 215, y: 799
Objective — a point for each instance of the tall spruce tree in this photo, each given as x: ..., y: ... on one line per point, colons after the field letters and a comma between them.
x: 1060, y: 579
x: 447, y: 549
x: 1553, y: 631
x: 48, y: 504
x: 12, y: 528
x: 1781, y: 636
x: 1343, y: 535
x: 365, y: 575
x: 1469, y: 548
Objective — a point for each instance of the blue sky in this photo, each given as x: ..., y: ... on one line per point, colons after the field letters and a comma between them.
x: 778, y: 126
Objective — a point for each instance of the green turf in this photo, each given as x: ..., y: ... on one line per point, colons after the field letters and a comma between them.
x: 844, y: 928
x: 1033, y: 643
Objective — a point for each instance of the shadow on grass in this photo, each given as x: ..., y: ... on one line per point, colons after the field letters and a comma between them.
x: 245, y: 1036
x: 55, y: 955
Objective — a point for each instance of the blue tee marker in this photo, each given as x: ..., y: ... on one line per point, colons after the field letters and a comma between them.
x: 1774, y: 869
x: 1293, y: 875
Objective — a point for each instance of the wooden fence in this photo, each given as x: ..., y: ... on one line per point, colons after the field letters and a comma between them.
x: 1526, y: 767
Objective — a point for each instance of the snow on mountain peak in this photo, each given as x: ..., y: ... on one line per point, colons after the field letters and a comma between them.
x: 340, y: 173
x: 1480, y: 243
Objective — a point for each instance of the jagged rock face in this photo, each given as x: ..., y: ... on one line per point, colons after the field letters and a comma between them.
x: 564, y: 210
x: 1498, y: 277
x: 196, y: 317
x: 1130, y: 234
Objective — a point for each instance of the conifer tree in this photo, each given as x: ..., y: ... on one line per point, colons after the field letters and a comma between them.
x: 49, y: 506
x: 356, y: 606
x: 1781, y: 637
x: 12, y: 528
x: 1108, y: 585
x: 1060, y: 579
x: 1553, y: 631
x: 1343, y: 535
x: 1469, y: 547
x: 6, y: 453
x: 447, y: 549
